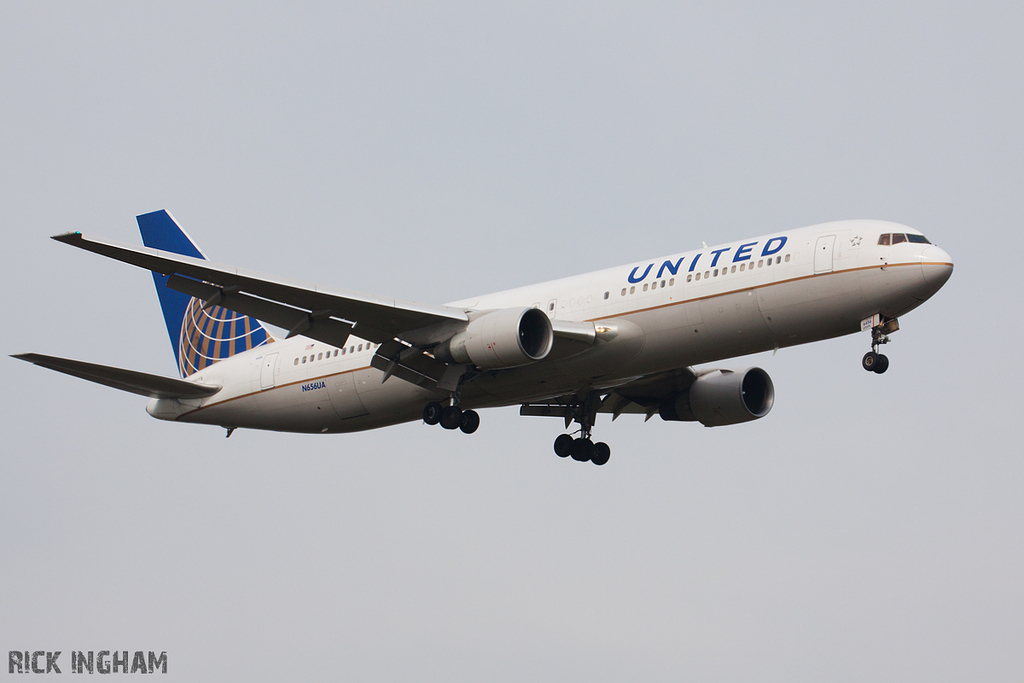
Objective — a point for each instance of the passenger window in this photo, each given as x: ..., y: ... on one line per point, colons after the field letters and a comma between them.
x: 707, y: 274
x: 884, y: 240
x: 606, y: 296
x: 645, y: 288
x: 303, y: 360
x: 343, y: 351
x: 734, y: 269
x: 743, y: 266
x: 360, y: 347
x: 632, y: 290
x: 689, y: 278
x: 898, y: 237
x: 335, y: 353
x: 671, y: 282
x: 662, y: 284
x: 296, y: 360
x: 623, y: 291
x: 778, y: 260
x: 760, y: 263
x: 716, y: 272
x: 698, y: 276
x: 320, y: 356
x: 787, y: 258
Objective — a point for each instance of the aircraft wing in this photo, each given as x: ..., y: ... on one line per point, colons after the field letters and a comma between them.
x: 328, y: 315
x: 144, y: 384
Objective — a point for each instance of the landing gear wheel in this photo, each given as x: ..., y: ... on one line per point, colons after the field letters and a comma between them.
x: 563, y: 446
x: 582, y: 450
x: 432, y: 413
x: 882, y: 364
x: 601, y: 453
x: 870, y: 361
x: 451, y: 417
x: 469, y: 422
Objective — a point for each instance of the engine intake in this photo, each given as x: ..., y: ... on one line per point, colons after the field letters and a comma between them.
x: 723, y: 397
x: 505, y: 338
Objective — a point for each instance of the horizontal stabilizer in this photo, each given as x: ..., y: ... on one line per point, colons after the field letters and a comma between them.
x: 144, y: 384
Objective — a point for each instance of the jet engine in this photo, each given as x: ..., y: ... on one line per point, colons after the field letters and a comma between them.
x: 723, y: 397
x: 505, y: 338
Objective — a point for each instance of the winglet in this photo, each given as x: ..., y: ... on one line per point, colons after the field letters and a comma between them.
x: 67, y: 237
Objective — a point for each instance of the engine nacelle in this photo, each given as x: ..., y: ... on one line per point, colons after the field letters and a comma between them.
x: 723, y: 397
x: 504, y: 338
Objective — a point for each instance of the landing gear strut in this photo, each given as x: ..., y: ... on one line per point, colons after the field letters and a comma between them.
x: 582, y: 448
x: 874, y: 361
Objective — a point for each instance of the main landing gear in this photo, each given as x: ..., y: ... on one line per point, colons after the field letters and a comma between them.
x: 582, y: 448
x: 874, y: 361
x: 451, y: 417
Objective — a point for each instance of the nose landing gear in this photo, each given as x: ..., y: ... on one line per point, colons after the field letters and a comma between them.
x: 874, y: 361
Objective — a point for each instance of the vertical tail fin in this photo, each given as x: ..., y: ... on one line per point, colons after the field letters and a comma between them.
x: 200, y: 337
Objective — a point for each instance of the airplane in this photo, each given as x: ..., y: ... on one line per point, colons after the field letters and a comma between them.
x: 623, y: 340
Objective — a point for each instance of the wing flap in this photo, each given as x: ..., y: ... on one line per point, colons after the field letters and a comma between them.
x: 144, y: 384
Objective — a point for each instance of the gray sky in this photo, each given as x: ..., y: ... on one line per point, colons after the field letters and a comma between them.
x: 868, y: 529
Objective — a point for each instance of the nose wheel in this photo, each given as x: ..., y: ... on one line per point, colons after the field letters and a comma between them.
x: 875, y: 362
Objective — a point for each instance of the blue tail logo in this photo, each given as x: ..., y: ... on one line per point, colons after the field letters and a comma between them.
x: 200, y: 337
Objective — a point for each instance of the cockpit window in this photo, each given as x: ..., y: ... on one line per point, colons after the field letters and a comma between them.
x: 890, y: 238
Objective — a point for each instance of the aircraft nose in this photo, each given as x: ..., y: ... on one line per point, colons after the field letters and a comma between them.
x: 936, y: 266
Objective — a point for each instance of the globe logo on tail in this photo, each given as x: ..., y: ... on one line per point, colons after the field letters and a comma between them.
x: 215, y: 333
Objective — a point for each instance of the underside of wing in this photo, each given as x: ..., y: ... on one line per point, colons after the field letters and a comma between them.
x: 144, y: 384
x: 641, y: 396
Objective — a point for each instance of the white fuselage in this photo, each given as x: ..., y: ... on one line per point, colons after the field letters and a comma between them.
x: 690, y: 308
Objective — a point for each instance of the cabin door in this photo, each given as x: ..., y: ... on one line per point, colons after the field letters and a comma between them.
x: 823, y: 254
x: 267, y: 372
